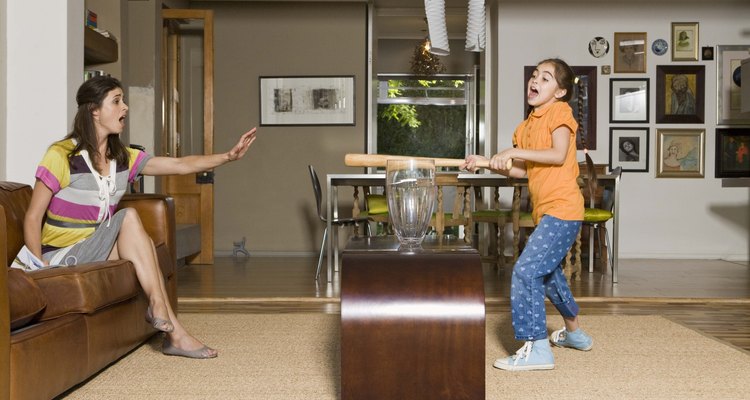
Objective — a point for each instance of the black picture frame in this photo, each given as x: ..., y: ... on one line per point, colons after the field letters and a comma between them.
x: 629, y: 100
x: 688, y: 108
x: 633, y: 159
x: 731, y: 161
x: 587, y: 78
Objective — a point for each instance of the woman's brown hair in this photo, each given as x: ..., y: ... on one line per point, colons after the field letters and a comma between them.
x: 90, y: 96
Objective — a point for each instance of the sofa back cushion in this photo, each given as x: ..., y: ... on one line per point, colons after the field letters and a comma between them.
x: 27, y: 302
x: 14, y: 199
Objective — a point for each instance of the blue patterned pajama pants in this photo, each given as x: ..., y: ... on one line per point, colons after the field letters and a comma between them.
x: 538, y: 272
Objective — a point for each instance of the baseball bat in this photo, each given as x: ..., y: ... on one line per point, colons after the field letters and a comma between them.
x: 380, y: 160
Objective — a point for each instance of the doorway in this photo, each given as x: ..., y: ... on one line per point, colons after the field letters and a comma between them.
x: 187, y: 125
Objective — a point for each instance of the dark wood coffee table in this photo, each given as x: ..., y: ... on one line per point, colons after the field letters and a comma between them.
x: 412, y: 324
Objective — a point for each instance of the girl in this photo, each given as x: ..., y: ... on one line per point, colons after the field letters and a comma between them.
x: 78, y: 185
x: 546, y: 154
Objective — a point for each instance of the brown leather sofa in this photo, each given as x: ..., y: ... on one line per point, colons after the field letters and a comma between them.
x: 59, y: 326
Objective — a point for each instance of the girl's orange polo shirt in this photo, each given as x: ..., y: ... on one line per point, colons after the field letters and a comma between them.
x: 553, y: 188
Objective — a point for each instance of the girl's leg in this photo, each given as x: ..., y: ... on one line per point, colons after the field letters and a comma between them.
x: 134, y: 244
x: 541, y: 257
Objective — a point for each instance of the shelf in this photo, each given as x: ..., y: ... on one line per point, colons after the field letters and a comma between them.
x: 97, y: 48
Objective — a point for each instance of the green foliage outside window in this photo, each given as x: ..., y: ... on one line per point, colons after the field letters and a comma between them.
x: 425, y: 124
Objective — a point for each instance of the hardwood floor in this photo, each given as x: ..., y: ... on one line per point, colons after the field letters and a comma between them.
x: 710, y: 296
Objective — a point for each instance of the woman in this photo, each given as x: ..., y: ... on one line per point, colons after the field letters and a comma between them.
x: 79, y: 182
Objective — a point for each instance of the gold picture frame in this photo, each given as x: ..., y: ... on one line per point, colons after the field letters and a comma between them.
x: 630, y: 52
x: 685, y: 41
x: 680, y: 153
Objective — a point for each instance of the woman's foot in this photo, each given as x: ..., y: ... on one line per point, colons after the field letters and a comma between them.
x: 160, y: 324
x: 194, y: 349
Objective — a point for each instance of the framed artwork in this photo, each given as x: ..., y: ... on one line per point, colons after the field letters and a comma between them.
x: 680, y: 94
x: 630, y: 52
x: 584, y: 110
x: 306, y: 100
x: 628, y: 100
x: 732, y: 153
x: 728, y: 98
x: 628, y: 148
x: 685, y: 41
x: 680, y: 153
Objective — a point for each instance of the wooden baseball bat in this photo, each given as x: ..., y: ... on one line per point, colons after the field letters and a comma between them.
x: 380, y: 160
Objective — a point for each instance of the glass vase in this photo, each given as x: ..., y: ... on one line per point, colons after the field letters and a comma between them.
x: 410, y: 190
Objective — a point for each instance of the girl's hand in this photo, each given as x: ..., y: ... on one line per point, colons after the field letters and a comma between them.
x: 239, y: 150
x: 470, y: 163
x: 502, y: 161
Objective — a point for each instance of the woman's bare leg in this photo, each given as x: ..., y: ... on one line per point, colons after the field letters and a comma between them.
x: 135, y: 245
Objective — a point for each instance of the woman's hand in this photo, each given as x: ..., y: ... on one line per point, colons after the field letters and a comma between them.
x: 239, y: 150
x: 470, y: 163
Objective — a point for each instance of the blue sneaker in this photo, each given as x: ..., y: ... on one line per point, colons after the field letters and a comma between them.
x: 577, y: 339
x: 532, y: 356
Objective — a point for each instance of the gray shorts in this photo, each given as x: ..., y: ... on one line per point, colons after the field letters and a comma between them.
x: 96, y: 247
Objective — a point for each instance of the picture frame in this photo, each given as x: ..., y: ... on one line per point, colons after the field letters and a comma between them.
x: 685, y: 41
x: 728, y: 99
x: 587, y: 112
x: 629, y: 100
x: 630, y: 52
x: 306, y: 100
x: 629, y: 148
x: 680, y: 94
x: 732, y: 158
x: 680, y: 153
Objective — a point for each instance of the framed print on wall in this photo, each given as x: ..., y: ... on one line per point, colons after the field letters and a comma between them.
x: 685, y: 41
x: 628, y: 148
x: 628, y: 100
x: 680, y: 94
x: 680, y: 153
x: 732, y: 153
x: 306, y: 100
x: 585, y: 114
x: 728, y: 98
x: 630, y: 52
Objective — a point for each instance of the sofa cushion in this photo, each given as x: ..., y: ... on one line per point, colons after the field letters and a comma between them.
x: 86, y: 288
x: 27, y: 302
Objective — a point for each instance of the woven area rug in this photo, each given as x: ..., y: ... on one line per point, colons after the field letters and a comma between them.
x: 296, y: 356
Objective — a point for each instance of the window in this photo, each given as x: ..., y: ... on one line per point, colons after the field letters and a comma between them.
x: 425, y: 116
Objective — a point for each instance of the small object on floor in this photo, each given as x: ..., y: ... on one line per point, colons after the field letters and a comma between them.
x: 578, y: 339
x: 203, y: 353
x: 534, y: 355
x: 239, y: 248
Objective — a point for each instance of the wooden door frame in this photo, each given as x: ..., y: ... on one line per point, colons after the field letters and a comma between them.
x: 206, y: 195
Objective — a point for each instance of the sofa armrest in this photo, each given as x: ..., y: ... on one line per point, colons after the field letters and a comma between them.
x: 4, y: 317
x: 158, y: 217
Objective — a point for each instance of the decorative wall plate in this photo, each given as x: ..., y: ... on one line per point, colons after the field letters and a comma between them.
x: 659, y: 47
x: 598, y: 47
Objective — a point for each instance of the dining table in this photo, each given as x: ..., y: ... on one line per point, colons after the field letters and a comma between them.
x: 481, y: 180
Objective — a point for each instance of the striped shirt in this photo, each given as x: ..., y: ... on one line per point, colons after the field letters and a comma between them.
x: 81, y: 197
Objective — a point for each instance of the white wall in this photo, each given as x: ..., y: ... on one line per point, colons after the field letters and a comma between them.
x: 42, y: 74
x: 660, y: 218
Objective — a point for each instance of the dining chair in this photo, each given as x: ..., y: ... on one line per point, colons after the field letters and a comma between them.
x: 596, y: 217
x: 499, y: 218
x: 335, y: 222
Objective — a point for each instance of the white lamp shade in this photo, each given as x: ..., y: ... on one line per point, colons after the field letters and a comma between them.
x: 475, y: 26
x: 435, y: 10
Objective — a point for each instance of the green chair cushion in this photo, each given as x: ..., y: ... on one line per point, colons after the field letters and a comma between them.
x: 596, y: 215
x: 376, y: 204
